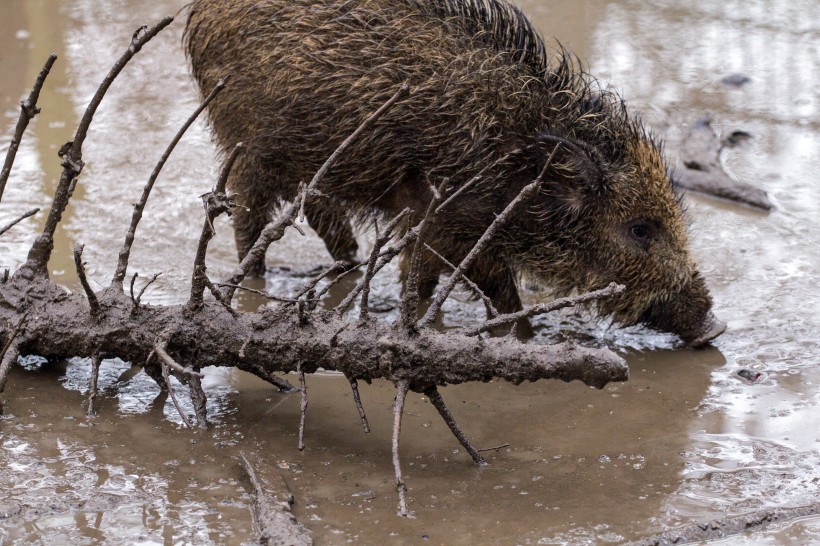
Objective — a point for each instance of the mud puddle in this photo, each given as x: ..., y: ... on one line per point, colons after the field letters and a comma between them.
x: 686, y: 440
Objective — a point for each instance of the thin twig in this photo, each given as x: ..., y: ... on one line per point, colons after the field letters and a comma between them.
x: 496, y: 448
x: 315, y: 280
x: 144, y: 288
x: 303, y: 404
x: 372, y: 267
x: 338, y: 279
x: 199, y: 400
x: 163, y: 363
x: 525, y: 194
x: 261, y: 293
x: 136, y: 216
x: 398, y: 410
x: 354, y: 385
x: 561, y: 303
x: 93, y: 303
x: 13, y: 223
x: 435, y: 398
x: 159, y: 349
x: 96, y: 361
x: 216, y: 203
x: 492, y: 312
x: 275, y: 230
x: 71, y: 153
x: 28, y: 109
x: 220, y: 297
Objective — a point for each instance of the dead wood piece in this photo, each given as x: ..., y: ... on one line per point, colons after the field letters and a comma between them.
x: 216, y: 202
x: 272, y: 516
x: 166, y: 378
x: 703, y: 172
x: 28, y: 109
x: 303, y: 404
x: 730, y: 526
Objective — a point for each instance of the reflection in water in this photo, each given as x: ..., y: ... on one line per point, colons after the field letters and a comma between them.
x: 684, y: 440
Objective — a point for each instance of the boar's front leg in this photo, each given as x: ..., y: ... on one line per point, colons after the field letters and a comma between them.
x: 329, y: 220
x: 497, y: 280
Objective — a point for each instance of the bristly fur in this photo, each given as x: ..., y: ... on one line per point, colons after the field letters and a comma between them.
x: 305, y: 73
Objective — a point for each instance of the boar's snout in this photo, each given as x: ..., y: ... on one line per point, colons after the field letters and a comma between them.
x: 687, y: 313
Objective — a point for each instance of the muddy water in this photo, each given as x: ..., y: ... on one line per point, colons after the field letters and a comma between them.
x: 685, y: 440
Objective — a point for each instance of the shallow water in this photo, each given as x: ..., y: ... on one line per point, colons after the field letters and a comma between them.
x: 685, y: 440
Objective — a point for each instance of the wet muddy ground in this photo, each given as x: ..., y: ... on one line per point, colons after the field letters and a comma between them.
x: 686, y: 440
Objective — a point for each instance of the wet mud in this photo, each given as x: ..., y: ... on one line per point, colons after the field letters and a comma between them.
x: 686, y: 440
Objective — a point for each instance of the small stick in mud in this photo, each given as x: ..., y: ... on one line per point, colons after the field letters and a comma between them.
x: 272, y: 516
x: 398, y: 409
x: 303, y: 404
x: 28, y: 109
x: 96, y: 361
x: 93, y: 303
x: 410, y: 299
x: 9, y: 355
x: 438, y: 402
x: 13, y: 223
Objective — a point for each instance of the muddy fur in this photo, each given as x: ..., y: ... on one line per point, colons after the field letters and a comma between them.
x: 304, y: 74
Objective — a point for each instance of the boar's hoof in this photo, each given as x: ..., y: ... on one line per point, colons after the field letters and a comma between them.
x: 713, y: 328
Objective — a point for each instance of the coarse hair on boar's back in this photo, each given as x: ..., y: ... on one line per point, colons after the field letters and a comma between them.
x: 486, y: 98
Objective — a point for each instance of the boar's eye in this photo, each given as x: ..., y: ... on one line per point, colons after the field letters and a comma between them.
x: 642, y: 232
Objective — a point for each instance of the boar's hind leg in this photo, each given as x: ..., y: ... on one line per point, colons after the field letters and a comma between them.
x: 329, y: 220
x: 248, y: 180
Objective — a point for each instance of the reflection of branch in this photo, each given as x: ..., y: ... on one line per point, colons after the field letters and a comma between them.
x: 28, y: 109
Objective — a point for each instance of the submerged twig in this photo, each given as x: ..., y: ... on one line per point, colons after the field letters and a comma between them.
x: 354, y: 386
x: 303, y: 403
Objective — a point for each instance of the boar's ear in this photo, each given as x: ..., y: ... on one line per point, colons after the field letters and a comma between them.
x: 576, y: 167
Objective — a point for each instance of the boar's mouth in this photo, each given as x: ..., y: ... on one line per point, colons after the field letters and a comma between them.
x: 687, y: 313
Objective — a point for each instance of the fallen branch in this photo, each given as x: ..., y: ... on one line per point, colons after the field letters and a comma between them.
x: 703, y: 172
x: 730, y: 526
x: 272, y: 517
